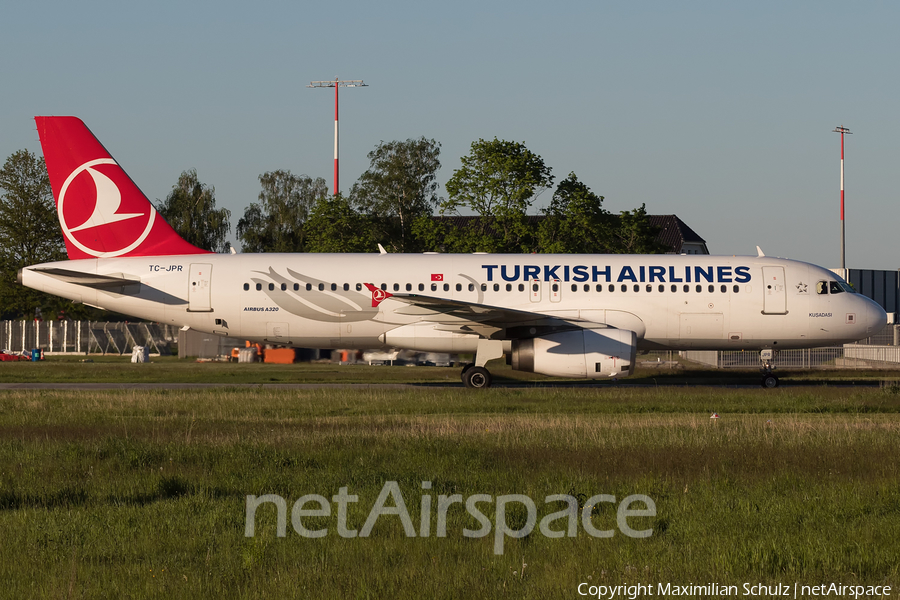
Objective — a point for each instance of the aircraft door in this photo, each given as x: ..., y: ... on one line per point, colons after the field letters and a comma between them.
x: 200, y: 285
x: 775, y: 299
x: 277, y: 332
x: 555, y: 291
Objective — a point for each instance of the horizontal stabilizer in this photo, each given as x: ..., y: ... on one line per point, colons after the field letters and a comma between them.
x: 100, y: 282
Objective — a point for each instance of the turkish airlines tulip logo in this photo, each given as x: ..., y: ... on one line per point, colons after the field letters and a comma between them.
x: 108, y: 222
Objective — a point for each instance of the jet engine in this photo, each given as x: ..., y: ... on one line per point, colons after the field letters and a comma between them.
x: 588, y: 353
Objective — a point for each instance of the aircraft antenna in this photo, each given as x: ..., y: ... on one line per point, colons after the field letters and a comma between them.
x: 842, y: 130
x: 337, y: 83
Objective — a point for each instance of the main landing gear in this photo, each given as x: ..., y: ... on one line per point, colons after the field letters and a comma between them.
x: 767, y: 357
x: 474, y: 375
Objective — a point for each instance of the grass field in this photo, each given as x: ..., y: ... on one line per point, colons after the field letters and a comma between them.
x: 143, y: 493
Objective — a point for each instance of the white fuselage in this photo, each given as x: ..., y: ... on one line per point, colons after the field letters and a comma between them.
x: 319, y: 300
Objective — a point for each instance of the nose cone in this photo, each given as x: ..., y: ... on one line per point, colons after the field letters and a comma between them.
x: 876, y: 318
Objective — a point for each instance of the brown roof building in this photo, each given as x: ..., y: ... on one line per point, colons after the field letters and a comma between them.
x: 673, y: 232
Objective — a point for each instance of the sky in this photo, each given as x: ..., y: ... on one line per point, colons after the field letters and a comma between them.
x: 719, y: 112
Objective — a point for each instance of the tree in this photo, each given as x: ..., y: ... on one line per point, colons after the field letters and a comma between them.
x: 30, y: 233
x: 190, y: 208
x: 576, y: 222
x: 335, y: 226
x: 278, y: 222
x: 499, y: 181
x: 399, y: 187
x: 635, y: 235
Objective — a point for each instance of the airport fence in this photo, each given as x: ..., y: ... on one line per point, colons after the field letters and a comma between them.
x: 880, y: 350
x: 86, y: 337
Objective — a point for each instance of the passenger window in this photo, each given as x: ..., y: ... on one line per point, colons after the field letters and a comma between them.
x: 471, y: 287
x: 246, y: 286
x: 737, y: 289
x: 258, y: 287
x: 346, y: 287
x: 674, y: 288
x: 358, y: 287
x: 384, y: 286
x: 408, y: 287
x: 624, y: 288
x: 271, y: 287
x: 483, y: 287
x: 321, y: 286
x: 687, y: 288
x: 574, y: 287
x: 421, y: 287
x: 396, y: 287
x: 296, y: 287
x: 458, y: 287
x: 662, y: 288
x: 283, y: 287
x: 712, y: 288
x: 612, y: 288
x: 496, y: 287
x: 333, y: 287
x: 308, y: 287
x: 433, y: 287
x: 650, y: 288
x: 535, y: 287
x: 446, y: 287
x: 587, y: 287
x: 821, y: 288
x: 637, y: 288
x: 724, y: 288
x: 599, y: 287
x: 508, y: 287
x: 521, y: 287
x: 699, y: 288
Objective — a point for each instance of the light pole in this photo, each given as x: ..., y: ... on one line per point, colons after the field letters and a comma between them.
x: 337, y: 83
x: 842, y: 130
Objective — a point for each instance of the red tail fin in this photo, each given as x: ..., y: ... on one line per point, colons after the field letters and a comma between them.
x: 101, y: 211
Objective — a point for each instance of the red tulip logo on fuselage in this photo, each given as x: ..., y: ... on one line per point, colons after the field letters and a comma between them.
x: 109, y: 228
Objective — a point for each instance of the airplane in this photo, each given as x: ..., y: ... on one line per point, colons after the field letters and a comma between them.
x: 575, y: 316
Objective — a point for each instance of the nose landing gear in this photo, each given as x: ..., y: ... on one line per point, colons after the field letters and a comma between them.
x: 767, y: 357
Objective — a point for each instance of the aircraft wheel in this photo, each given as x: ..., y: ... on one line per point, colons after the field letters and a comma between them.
x: 466, y: 367
x: 477, y: 377
x: 769, y: 381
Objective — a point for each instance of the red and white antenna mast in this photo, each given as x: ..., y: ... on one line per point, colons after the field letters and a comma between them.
x: 337, y: 83
x: 842, y: 130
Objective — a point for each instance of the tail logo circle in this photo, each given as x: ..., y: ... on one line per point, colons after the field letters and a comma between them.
x: 106, y: 213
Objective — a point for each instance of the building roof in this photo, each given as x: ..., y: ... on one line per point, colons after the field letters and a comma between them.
x: 673, y: 232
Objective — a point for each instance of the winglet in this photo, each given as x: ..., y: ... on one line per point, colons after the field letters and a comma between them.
x: 760, y: 253
x: 378, y: 295
x: 381, y: 249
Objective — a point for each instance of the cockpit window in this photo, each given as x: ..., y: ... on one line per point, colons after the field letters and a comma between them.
x: 834, y: 287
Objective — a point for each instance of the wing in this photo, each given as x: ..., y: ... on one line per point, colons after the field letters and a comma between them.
x: 473, y: 317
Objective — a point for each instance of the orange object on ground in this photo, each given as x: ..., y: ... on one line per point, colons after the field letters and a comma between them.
x: 281, y: 356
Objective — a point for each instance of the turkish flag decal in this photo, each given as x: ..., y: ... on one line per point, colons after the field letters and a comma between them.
x: 437, y: 276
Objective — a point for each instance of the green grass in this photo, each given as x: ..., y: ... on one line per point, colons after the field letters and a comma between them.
x: 142, y: 493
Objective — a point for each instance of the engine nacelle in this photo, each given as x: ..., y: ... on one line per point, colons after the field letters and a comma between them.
x: 589, y: 353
